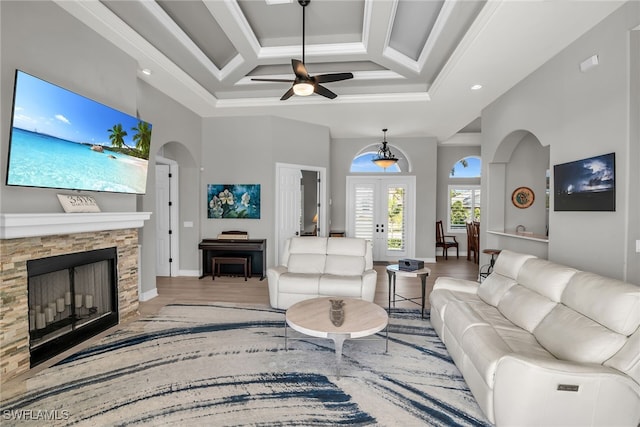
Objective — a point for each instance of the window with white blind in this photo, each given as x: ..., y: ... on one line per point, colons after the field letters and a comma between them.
x: 464, y: 206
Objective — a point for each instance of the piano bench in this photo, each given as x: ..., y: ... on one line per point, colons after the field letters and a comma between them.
x: 216, y: 262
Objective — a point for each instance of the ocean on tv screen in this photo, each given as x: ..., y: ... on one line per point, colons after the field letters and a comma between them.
x: 40, y: 160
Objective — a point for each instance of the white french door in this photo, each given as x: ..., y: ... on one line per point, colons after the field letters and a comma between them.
x: 382, y: 209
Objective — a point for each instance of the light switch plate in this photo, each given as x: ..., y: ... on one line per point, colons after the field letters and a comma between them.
x: 188, y: 224
x: 638, y: 246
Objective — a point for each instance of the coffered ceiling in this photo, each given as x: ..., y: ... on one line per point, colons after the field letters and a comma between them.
x: 413, y: 61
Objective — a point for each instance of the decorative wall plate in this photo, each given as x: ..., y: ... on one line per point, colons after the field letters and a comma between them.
x: 522, y: 197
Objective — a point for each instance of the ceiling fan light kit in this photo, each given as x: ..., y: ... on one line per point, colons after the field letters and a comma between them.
x: 385, y: 157
x: 304, y: 84
x: 303, y: 88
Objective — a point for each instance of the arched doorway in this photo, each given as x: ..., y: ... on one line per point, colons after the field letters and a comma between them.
x: 173, y: 163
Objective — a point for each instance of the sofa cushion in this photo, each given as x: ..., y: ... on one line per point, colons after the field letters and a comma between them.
x: 299, y: 283
x: 610, y: 302
x: 460, y: 316
x: 308, y: 245
x: 346, y: 246
x: 455, y: 284
x: 571, y: 336
x: 525, y: 307
x: 344, y: 265
x: 485, y: 346
x: 509, y: 263
x: 493, y: 288
x: 340, y: 286
x: 545, y: 277
x: 627, y: 360
x: 306, y: 263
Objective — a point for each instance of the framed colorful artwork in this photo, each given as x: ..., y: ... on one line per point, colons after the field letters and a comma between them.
x: 233, y: 201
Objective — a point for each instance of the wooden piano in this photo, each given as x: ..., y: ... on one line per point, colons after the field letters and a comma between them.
x: 256, y: 248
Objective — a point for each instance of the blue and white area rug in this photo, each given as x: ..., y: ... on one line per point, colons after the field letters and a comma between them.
x: 226, y: 365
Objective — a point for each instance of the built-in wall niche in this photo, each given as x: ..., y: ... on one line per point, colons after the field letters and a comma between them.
x: 71, y: 297
x: 528, y: 167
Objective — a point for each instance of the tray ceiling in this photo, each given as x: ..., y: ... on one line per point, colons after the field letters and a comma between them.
x: 413, y: 61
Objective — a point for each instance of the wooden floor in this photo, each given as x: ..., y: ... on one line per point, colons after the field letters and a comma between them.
x: 254, y: 291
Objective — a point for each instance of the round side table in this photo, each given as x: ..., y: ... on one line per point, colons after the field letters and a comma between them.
x: 393, y: 271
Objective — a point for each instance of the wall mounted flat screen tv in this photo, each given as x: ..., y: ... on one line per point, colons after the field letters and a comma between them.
x: 60, y: 139
x: 586, y: 185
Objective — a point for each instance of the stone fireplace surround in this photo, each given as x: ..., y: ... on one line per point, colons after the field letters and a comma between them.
x: 32, y: 236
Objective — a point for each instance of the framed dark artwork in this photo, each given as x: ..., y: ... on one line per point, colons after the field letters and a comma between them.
x: 233, y: 201
x: 585, y: 185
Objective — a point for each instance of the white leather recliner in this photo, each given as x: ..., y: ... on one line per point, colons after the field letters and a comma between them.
x: 542, y: 344
x: 322, y: 266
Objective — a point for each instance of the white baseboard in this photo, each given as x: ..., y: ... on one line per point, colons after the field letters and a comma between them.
x: 146, y: 296
x: 189, y: 273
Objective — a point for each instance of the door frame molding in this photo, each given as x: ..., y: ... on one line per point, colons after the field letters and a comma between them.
x: 323, y: 220
x: 174, y: 223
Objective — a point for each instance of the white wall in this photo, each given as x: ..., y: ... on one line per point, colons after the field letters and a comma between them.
x: 422, y: 155
x: 579, y: 115
x: 244, y: 150
x: 43, y: 40
x: 177, y: 131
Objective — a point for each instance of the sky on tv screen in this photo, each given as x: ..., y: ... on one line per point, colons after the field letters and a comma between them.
x: 60, y: 139
x: 49, y: 109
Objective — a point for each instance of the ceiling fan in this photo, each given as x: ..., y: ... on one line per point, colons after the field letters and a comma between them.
x: 304, y: 84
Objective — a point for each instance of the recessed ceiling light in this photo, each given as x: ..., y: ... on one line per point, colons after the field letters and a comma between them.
x: 146, y: 71
x: 476, y: 87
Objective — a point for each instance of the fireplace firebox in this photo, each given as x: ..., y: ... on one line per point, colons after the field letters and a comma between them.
x: 72, y: 297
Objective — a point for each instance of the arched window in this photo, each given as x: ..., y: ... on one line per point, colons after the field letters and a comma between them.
x: 363, y: 163
x: 468, y: 167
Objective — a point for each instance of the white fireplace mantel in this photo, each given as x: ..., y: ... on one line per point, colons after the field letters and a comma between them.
x: 17, y: 225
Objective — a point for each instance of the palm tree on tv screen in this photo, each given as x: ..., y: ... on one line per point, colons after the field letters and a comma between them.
x: 142, y: 138
x: 116, y: 135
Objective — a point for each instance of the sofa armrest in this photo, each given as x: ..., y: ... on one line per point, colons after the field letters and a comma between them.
x: 541, y: 391
x: 369, y: 281
x: 273, y: 279
x: 454, y: 284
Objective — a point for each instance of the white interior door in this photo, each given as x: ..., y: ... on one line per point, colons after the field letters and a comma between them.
x: 382, y: 209
x: 163, y: 238
x: 289, y: 202
x: 288, y: 205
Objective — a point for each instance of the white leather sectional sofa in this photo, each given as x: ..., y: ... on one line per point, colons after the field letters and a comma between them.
x: 322, y: 266
x: 541, y: 344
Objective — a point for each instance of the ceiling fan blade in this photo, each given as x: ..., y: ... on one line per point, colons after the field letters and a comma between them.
x: 326, y: 78
x: 287, y: 94
x: 273, y: 80
x: 321, y: 90
x: 299, y: 69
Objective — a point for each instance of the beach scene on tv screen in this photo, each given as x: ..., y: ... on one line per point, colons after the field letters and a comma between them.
x: 60, y: 139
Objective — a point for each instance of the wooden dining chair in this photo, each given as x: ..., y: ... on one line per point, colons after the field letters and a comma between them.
x: 472, y: 247
x: 473, y: 234
x: 445, y: 242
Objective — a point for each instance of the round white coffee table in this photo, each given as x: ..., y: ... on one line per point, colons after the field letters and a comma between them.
x: 393, y: 271
x: 361, y: 319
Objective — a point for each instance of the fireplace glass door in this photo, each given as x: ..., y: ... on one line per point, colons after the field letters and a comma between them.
x: 70, y: 298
